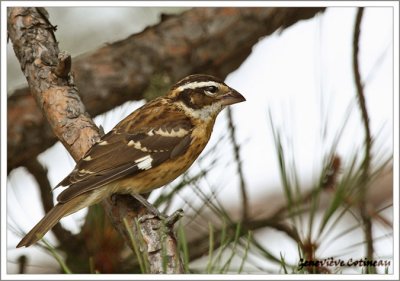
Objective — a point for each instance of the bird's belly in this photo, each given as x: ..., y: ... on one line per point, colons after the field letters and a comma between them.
x: 161, y: 175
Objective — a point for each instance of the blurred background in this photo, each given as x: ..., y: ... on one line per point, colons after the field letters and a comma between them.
x: 282, y: 177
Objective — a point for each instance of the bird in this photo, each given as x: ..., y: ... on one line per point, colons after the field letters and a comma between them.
x: 146, y: 150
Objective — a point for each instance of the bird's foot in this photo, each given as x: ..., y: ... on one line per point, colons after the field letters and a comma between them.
x: 172, y: 219
x: 148, y: 205
x: 168, y: 220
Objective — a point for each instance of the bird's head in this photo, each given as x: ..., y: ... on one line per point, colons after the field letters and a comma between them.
x: 203, y: 96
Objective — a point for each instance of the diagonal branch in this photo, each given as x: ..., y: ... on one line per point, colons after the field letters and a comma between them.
x: 56, y: 95
x: 208, y: 40
x: 48, y: 74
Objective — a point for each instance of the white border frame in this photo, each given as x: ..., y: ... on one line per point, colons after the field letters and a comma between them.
x: 394, y: 4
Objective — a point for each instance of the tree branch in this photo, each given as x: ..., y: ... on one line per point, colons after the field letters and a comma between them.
x: 208, y: 40
x: 48, y: 74
x: 368, y: 143
x: 37, y: 50
x: 238, y: 161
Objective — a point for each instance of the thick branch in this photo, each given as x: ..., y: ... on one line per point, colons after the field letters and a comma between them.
x: 48, y: 75
x: 37, y: 50
x: 149, y: 237
x: 208, y: 40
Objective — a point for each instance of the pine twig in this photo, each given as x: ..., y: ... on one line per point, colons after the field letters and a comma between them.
x: 368, y: 139
x: 22, y: 262
x: 236, y: 151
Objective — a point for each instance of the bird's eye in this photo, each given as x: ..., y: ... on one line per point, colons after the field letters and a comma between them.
x: 211, y: 89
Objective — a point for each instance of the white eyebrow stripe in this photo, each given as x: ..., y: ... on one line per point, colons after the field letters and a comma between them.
x: 194, y: 85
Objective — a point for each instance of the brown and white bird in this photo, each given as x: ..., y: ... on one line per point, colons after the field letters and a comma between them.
x: 146, y: 150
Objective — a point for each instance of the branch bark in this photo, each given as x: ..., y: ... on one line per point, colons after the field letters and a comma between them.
x: 155, y: 238
x: 37, y: 50
x: 208, y: 40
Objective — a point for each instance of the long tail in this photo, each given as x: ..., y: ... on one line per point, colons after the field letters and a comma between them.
x: 46, y: 223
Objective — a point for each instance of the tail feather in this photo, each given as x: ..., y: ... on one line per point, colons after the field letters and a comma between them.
x: 46, y: 223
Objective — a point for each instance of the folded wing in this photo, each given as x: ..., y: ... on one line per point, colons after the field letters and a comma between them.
x: 126, y: 152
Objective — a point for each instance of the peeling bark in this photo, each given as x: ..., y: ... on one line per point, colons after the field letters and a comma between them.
x: 37, y: 50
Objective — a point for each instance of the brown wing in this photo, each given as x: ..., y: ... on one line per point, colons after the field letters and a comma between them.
x: 131, y: 147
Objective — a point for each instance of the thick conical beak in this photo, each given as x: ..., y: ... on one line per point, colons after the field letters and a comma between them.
x: 232, y: 97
